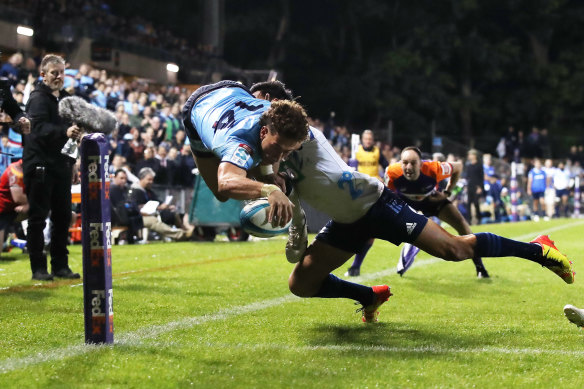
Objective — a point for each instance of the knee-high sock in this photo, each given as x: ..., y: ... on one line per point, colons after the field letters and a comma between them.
x: 334, y: 287
x: 491, y: 245
x: 360, y: 256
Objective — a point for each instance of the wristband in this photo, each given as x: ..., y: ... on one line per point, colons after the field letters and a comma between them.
x: 267, y: 189
x: 266, y: 170
x: 447, y: 193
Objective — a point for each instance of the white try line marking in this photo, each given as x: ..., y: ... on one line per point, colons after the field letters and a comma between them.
x: 151, y: 332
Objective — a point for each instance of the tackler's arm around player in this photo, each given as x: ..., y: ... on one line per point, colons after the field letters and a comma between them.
x: 233, y: 183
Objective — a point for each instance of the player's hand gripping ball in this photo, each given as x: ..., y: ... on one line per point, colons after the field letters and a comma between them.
x: 254, y: 220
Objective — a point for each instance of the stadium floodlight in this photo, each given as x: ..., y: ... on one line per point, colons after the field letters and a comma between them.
x: 171, y: 67
x: 26, y: 31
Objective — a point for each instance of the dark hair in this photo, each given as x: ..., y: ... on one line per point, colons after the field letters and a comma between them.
x: 276, y: 89
x: 413, y: 148
x: 286, y: 118
x: 120, y: 171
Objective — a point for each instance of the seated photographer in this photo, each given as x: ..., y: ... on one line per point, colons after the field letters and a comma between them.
x: 157, y: 216
x: 13, y: 200
x: 123, y: 212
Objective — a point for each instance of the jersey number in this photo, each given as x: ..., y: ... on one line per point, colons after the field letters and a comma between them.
x: 227, y: 120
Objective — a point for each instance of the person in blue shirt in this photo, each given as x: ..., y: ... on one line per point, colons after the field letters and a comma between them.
x: 232, y: 132
x: 536, y: 185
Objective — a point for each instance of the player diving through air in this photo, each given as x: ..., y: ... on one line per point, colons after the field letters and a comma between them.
x: 361, y: 207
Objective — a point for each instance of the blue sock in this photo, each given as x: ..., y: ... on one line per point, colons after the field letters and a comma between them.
x: 491, y: 245
x: 334, y: 287
x: 360, y: 256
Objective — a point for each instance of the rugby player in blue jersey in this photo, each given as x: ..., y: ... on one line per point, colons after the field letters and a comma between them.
x: 362, y: 208
x: 232, y: 132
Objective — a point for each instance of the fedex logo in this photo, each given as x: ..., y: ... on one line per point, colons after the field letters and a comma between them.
x: 98, y: 310
x: 96, y: 242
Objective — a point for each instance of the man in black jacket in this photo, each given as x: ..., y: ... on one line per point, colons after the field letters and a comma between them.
x: 47, y: 172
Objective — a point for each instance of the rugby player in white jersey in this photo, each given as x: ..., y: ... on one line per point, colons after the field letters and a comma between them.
x: 361, y: 208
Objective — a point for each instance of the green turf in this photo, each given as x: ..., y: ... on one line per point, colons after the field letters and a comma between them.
x: 220, y: 315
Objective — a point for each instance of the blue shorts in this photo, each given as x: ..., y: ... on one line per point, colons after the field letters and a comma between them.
x: 390, y: 219
x: 562, y: 192
x: 537, y: 195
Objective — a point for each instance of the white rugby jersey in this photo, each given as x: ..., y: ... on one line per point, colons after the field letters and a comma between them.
x: 327, y: 183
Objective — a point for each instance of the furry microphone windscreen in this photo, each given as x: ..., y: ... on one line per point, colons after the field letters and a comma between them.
x: 87, y: 116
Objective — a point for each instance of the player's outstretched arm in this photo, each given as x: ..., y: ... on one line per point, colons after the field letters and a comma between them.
x: 233, y: 183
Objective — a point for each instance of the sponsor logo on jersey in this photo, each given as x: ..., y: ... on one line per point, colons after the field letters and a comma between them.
x: 410, y: 227
x: 241, y: 155
x: 446, y: 168
x: 246, y: 148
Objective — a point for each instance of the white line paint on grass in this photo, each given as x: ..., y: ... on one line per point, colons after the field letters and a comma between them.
x: 151, y: 332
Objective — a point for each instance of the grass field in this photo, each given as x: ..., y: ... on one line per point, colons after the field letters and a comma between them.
x: 220, y: 315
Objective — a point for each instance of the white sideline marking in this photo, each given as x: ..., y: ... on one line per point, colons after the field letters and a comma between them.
x: 135, y: 337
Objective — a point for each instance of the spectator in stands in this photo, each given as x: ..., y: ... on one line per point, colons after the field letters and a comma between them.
x: 123, y: 212
x: 137, y: 147
x: 13, y: 201
x: 98, y: 97
x: 119, y: 163
x: 179, y: 140
x: 124, y: 125
x: 488, y: 167
x: 135, y: 118
x: 164, y: 170
x: 47, y: 172
x: 141, y: 193
x: 11, y: 69
x: 149, y: 161
x: 474, y: 175
x: 493, y: 189
x: 536, y: 184
x: 147, y: 115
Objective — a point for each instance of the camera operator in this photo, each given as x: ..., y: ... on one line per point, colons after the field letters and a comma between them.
x: 47, y: 172
x: 10, y: 106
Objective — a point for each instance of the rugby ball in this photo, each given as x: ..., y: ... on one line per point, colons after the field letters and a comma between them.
x: 254, y: 220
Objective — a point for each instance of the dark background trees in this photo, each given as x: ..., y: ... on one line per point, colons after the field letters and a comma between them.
x: 467, y: 68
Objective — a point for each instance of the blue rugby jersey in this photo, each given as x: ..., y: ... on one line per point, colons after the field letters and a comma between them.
x: 227, y: 121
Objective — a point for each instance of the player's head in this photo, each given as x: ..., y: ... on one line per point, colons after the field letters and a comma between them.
x: 537, y: 163
x: 271, y: 90
x: 283, y: 129
x: 367, y: 139
x: 411, y: 160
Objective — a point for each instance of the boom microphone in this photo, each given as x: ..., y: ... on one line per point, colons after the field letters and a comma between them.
x: 87, y: 116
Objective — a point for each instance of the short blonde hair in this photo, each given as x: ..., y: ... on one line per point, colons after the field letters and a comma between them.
x: 51, y: 59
